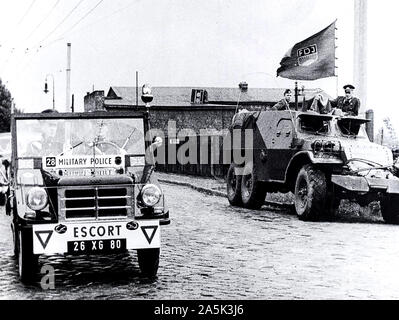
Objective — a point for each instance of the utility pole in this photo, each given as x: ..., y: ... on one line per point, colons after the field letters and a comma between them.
x: 68, y: 79
x: 360, y: 52
x: 137, y: 89
x: 12, y: 106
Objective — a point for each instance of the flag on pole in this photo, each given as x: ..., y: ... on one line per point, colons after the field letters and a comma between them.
x: 311, y: 59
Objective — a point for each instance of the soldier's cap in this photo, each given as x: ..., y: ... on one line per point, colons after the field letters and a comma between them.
x: 349, y: 86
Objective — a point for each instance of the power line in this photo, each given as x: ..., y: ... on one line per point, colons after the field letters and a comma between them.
x: 84, y: 17
x: 43, y: 20
x: 34, y: 50
x: 26, y: 12
x: 17, y: 26
x: 63, y: 20
x: 89, y: 25
x: 80, y: 20
x: 19, y: 23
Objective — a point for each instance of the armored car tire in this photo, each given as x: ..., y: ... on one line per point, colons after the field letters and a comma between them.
x: 234, y: 186
x: 27, y: 261
x: 310, y: 193
x: 390, y: 209
x: 253, y: 191
x: 148, y: 261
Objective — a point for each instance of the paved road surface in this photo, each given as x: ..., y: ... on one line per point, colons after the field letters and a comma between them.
x: 212, y: 250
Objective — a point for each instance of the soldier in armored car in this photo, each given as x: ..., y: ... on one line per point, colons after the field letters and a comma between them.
x: 349, y: 104
x: 318, y: 104
x: 284, y: 104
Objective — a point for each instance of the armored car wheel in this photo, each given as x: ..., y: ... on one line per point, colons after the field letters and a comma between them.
x: 390, y: 209
x: 148, y: 261
x: 27, y: 261
x: 253, y: 191
x: 234, y: 186
x: 310, y: 193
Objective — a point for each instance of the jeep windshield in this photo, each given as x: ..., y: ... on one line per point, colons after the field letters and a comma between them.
x: 57, y: 137
x: 314, y: 123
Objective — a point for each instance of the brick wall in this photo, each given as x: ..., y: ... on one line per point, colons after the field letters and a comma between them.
x: 190, y: 117
x: 94, y: 101
x: 194, y: 118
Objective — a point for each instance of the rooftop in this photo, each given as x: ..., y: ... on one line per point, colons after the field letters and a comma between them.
x: 181, y: 96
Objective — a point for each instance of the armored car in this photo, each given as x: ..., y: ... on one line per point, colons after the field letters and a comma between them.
x: 320, y: 158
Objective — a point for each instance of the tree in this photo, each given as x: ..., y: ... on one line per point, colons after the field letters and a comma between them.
x: 5, y: 108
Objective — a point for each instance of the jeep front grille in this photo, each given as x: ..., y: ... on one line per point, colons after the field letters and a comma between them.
x: 96, y: 202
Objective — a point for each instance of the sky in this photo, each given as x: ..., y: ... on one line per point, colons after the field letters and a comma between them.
x: 209, y: 43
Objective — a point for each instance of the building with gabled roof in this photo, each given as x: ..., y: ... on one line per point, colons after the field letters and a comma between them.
x: 126, y: 97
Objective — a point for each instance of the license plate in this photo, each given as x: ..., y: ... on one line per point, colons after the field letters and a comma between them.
x: 96, y: 237
x: 96, y: 246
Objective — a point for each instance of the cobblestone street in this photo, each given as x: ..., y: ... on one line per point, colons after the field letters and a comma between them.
x: 212, y: 250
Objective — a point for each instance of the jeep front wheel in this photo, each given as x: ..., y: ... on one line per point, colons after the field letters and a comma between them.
x: 253, y: 191
x: 234, y: 186
x: 310, y: 193
x: 27, y: 261
x: 148, y: 261
x: 389, y: 209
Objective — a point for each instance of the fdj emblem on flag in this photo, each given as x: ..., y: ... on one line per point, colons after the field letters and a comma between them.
x: 312, y: 58
x: 308, y: 55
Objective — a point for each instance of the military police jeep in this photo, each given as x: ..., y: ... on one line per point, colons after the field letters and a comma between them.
x: 82, y: 184
x: 320, y: 158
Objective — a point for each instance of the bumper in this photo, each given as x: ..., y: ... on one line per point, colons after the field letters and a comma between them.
x: 364, y: 185
x: 95, y: 237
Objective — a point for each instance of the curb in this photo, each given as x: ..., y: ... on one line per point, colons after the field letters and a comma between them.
x: 200, y: 189
x: 218, y: 193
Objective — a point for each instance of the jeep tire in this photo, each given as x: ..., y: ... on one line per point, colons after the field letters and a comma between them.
x: 310, y: 193
x: 233, y: 182
x: 148, y: 261
x: 253, y: 191
x: 390, y: 209
x: 27, y: 261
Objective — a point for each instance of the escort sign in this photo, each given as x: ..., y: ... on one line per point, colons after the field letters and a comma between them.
x: 95, y: 237
x: 100, y: 161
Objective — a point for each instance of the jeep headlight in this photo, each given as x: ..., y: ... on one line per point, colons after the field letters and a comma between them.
x: 151, y: 195
x: 37, y: 198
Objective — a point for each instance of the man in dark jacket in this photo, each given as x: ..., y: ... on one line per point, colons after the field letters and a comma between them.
x: 349, y: 104
x: 284, y: 104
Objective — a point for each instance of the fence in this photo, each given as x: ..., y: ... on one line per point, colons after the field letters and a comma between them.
x: 193, y: 155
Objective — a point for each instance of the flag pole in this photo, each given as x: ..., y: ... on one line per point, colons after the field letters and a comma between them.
x: 336, y: 59
x: 336, y: 85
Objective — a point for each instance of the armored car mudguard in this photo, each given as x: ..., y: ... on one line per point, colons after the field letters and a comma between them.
x: 320, y: 158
